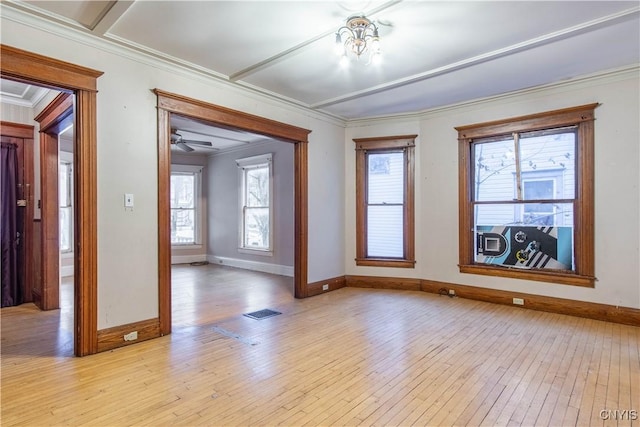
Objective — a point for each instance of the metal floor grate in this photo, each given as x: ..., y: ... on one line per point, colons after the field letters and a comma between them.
x: 262, y: 314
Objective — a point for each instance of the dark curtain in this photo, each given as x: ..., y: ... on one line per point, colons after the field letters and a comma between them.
x: 11, y: 294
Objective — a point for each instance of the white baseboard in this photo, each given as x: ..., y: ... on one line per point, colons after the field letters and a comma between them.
x: 282, y: 270
x: 66, y: 270
x: 187, y: 259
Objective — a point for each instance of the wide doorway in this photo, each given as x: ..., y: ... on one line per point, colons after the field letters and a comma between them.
x: 170, y: 104
x: 231, y: 218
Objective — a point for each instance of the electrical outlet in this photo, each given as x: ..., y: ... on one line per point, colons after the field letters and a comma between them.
x: 518, y: 301
x: 452, y: 292
x: 131, y: 336
x: 325, y: 287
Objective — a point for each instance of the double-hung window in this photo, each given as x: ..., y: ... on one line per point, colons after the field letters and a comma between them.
x: 384, y: 201
x: 185, y: 208
x: 256, y: 201
x: 526, y: 194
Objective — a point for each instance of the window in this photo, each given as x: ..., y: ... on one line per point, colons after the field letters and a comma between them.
x: 185, y: 209
x: 256, y: 222
x: 65, y: 200
x: 526, y: 194
x: 547, y: 185
x: 384, y: 201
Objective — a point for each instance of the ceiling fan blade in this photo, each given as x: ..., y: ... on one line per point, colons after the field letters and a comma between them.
x: 189, y: 141
x: 184, y: 147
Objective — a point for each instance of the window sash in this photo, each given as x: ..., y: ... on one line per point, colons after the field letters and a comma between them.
x: 66, y: 227
x: 385, y: 213
x: 65, y: 204
x: 185, y: 212
x: 495, y: 158
x: 256, y: 218
x: 385, y: 236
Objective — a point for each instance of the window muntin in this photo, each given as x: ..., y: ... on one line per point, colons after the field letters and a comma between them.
x: 526, y: 187
x: 384, y: 201
x: 184, y: 198
x: 256, y: 219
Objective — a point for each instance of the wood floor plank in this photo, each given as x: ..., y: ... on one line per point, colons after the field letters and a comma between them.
x: 354, y: 356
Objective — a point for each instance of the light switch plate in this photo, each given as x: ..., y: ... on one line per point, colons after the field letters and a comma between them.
x: 128, y: 200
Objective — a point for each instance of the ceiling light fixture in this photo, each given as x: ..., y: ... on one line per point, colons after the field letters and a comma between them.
x: 358, y: 36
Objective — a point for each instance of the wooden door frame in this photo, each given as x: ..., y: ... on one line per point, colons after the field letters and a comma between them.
x: 25, y: 132
x: 17, y: 64
x: 169, y: 103
x: 53, y: 119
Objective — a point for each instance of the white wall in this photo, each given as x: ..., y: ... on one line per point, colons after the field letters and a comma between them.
x: 617, y: 198
x: 127, y: 163
x: 224, y: 205
x: 16, y: 114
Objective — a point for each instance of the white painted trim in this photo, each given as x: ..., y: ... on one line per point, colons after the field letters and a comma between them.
x: 185, y: 247
x: 66, y: 270
x: 259, y: 252
x: 282, y: 270
x: 197, y: 171
x: 175, y: 167
x: 244, y: 165
x: 187, y: 259
x: 259, y: 160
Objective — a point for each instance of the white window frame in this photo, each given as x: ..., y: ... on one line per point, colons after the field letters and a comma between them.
x: 67, y: 158
x: 554, y: 175
x: 197, y: 173
x: 245, y: 164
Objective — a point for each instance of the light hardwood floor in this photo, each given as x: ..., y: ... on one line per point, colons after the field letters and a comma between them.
x: 349, y: 357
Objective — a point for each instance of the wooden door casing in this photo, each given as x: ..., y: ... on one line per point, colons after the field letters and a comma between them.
x: 54, y: 118
x: 21, y: 65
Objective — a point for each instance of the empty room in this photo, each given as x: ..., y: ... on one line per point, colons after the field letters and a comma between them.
x: 320, y: 213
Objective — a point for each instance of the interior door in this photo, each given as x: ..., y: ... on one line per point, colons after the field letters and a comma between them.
x: 22, y: 137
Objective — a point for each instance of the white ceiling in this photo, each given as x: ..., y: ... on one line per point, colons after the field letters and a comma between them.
x: 435, y: 53
x: 221, y: 139
x: 16, y: 93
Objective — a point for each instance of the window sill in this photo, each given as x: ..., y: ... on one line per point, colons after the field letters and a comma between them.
x: 557, y: 277
x: 261, y: 252
x: 186, y: 246
x: 386, y: 262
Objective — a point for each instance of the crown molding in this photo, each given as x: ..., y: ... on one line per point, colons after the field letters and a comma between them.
x: 114, y: 45
x: 613, y: 75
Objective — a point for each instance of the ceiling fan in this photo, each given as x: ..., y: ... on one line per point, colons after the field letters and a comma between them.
x: 184, y: 144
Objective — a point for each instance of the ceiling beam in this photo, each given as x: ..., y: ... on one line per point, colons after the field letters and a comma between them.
x: 285, y: 54
x: 110, y: 16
